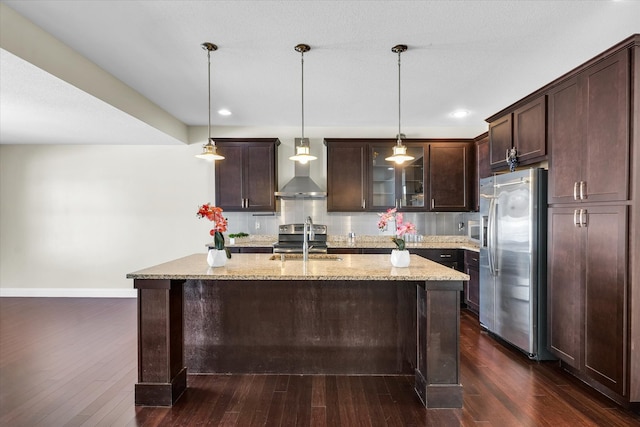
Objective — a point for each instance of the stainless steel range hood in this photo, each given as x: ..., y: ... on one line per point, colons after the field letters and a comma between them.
x: 301, y: 185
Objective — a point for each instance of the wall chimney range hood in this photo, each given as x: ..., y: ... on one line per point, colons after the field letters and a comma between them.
x: 301, y: 185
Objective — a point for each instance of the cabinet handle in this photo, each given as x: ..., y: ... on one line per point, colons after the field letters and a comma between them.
x: 583, y: 193
x: 433, y: 203
x: 583, y: 220
x: 445, y: 255
x: 364, y: 204
x: 506, y: 155
x: 575, y: 218
x: 575, y: 190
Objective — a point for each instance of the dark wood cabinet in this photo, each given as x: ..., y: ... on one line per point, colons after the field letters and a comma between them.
x: 452, y: 258
x: 251, y: 250
x: 346, y: 251
x: 472, y: 286
x: 500, y: 141
x: 530, y: 131
x: 589, y: 134
x: 360, y: 179
x: 524, y: 129
x: 587, y: 290
x: 450, y: 177
x: 346, y: 176
x: 593, y: 259
x: 564, y: 289
x: 246, y: 180
x: 482, y: 167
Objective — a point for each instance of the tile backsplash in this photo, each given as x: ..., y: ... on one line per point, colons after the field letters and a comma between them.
x: 339, y: 223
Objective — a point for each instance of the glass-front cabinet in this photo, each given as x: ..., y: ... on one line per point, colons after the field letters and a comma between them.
x: 359, y: 179
x: 396, y: 185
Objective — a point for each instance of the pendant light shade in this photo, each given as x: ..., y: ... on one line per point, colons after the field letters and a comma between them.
x: 303, y: 151
x: 209, y: 149
x: 399, y: 155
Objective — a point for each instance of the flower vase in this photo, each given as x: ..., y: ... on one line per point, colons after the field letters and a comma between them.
x: 217, y: 257
x: 400, y: 258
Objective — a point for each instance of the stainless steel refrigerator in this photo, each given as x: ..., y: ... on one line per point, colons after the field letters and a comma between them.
x: 513, y: 259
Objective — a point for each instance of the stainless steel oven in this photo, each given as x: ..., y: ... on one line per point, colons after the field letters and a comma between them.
x: 291, y: 238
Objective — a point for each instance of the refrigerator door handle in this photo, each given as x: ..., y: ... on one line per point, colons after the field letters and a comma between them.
x: 491, y: 237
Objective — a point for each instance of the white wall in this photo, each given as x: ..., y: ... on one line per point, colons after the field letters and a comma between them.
x: 85, y: 216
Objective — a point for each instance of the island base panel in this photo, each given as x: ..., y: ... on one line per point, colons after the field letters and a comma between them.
x: 438, y: 395
x: 300, y: 327
x: 161, y: 394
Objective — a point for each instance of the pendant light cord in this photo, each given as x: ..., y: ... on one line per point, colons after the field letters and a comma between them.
x: 302, y: 109
x: 209, y: 90
x: 399, y: 133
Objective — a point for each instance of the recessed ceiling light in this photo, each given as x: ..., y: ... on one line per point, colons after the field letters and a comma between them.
x: 224, y: 112
x: 458, y: 114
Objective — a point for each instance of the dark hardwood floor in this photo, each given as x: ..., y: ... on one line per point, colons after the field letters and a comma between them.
x: 72, y: 362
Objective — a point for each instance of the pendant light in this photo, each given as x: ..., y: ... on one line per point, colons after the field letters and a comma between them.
x: 209, y: 149
x: 303, y: 153
x: 400, y: 150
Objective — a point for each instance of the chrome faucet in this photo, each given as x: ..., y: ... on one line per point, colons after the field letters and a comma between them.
x: 308, y: 234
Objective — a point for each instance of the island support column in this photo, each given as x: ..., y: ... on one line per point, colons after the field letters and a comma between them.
x: 162, y: 375
x: 437, y: 380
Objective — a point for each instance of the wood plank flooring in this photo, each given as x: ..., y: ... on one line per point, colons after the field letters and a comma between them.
x: 72, y: 362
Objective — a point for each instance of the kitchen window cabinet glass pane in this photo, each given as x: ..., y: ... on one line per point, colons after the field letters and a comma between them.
x: 383, y: 173
x: 412, y: 179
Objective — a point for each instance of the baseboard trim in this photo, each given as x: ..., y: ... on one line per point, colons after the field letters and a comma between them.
x: 68, y: 292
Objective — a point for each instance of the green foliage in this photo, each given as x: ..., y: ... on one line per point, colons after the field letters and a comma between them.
x: 399, y: 243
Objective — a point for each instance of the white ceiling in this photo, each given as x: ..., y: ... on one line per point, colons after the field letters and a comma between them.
x: 479, y: 56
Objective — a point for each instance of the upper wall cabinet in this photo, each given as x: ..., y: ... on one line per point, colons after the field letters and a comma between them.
x: 360, y: 179
x: 450, y: 176
x: 247, y: 178
x: 346, y: 176
x: 483, y: 169
x: 589, y: 134
x: 523, y: 129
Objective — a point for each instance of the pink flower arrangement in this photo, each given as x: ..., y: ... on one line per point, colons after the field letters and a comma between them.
x: 402, y: 227
x: 214, y: 214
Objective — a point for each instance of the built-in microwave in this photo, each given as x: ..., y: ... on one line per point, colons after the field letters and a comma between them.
x: 474, y: 229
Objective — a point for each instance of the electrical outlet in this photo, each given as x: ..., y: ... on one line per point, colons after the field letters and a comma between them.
x: 257, y: 225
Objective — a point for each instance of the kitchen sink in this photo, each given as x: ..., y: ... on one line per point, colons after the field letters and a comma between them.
x: 298, y: 257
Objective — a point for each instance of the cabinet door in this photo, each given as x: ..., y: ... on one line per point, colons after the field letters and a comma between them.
x: 383, y: 180
x: 565, y: 142
x: 482, y: 168
x: 229, y: 178
x: 410, y: 177
x: 500, y: 140
x: 605, y: 294
x: 246, y: 178
x: 589, y: 134
x: 564, y: 289
x: 472, y: 287
x: 449, y: 177
x: 530, y: 132
x: 606, y: 124
x: 346, y: 186
x: 259, y: 184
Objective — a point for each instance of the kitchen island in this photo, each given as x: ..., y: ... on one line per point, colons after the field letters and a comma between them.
x: 263, y: 313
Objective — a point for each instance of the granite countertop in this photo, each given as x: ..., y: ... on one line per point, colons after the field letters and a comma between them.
x: 324, y: 267
x: 362, y: 242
